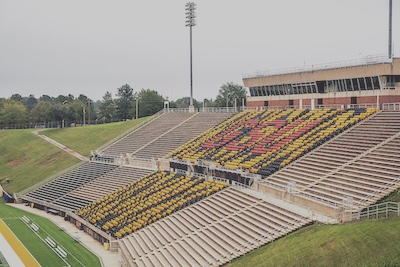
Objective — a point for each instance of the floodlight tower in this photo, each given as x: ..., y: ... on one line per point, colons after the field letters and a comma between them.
x: 390, y: 54
x: 190, y: 22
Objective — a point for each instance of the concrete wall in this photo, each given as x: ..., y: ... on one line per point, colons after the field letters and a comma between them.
x: 313, y: 205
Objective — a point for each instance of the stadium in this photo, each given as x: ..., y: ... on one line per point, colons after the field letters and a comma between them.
x: 306, y: 173
x: 204, y: 188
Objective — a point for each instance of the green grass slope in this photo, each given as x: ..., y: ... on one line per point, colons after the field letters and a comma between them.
x: 43, y: 254
x: 26, y: 159
x: 367, y: 243
x: 84, y: 139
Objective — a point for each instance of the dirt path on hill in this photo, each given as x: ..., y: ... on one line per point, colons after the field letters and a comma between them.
x: 61, y: 146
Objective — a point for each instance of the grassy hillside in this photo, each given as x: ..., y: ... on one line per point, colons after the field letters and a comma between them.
x: 27, y: 159
x: 393, y: 197
x: 84, y: 139
x: 367, y: 243
x: 43, y: 254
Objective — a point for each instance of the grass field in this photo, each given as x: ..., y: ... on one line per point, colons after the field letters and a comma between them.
x: 43, y: 254
x: 393, y: 197
x: 27, y: 159
x: 84, y: 139
x: 367, y: 243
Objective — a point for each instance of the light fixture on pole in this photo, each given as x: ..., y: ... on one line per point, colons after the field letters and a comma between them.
x: 190, y: 22
x: 390, y: 53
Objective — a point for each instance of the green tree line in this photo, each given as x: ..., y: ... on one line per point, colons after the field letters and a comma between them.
x: 123, y: 106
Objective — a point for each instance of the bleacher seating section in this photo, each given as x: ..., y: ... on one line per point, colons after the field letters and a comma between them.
x: 69, y: 182
x: 178, y: 136
x: 172, y: 219
x: 165, y: 133
x: 146, y: 200
x: 361, y: 165
x: 264, y: 141
x: 211, y: 232
x: 85, y: 184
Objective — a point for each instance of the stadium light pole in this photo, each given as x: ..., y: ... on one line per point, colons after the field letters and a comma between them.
x: 137, y: 107
x: 190, y: 22
x: 89, y: 110
x: 227, y: 102
x: 390, y: 54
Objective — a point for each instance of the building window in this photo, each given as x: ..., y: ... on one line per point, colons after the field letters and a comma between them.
x: 353, y: 100
x: 320, y: 102
x: 265, y: 103
x: 291, y: 103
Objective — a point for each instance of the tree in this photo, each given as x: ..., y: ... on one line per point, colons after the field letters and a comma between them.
x: 107, y: 108
x: 87, y: 103
x: 150, y: 102
x: 13, y: 112
x: 185, y: 101
x: 46, y: 98
x: 124, y: 102
x: 61, y: 99
x: 230, y: 92
x: 31, y: 101
x: 59, y: 112
x: 16, y: 97
x: 41, y: 112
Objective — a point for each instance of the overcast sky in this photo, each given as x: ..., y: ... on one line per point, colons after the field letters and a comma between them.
x: 90, y: 47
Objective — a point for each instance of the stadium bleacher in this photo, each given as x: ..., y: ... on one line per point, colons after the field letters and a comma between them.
x: 114, y: 179
x: 146, y: 200
x: 146, y: 133
x: 211, y: 232
x: 332, y: 156
x: 361, y: 165
x: 177, y: 136
x: 56, y: 189
x: 264, y: 141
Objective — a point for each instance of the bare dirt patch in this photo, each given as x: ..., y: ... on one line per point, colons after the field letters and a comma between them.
x: 15, y: 162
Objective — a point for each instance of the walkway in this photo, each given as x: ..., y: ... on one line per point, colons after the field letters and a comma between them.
x: 109, y: 259
x: 301, y: 210
x: 57, y: 144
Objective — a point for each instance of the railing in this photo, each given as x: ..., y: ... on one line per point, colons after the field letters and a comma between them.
x: 370, y: 60
x: 139, y: 162
x: 220, y: 109
x: 130, y: 130
x: 304, y: 195
x: 333, y: 106
x: 350, y: 106
x: 219, y: 179
x: 176, y: 110
x: 391, y: 106
x: 381, y: 210
x: 240, y: 185
x: 337, y: 106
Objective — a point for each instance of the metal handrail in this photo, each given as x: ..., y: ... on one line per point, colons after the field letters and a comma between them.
x: 176, y: 110
x: 219, y: 109
x: 391, y: 106
x: 385, y: 209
